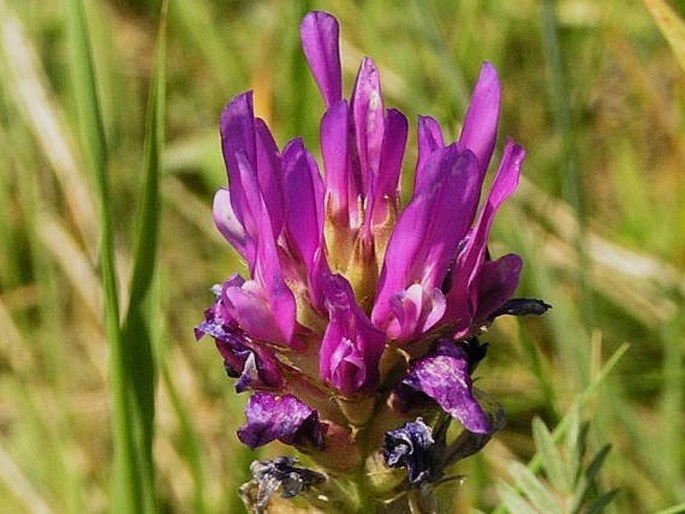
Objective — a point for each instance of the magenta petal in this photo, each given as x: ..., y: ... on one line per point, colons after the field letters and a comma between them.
x: 454, y: 202
x: 303, y: 215
x: 237, y: 135
x: 269, y: 174
x: 351, y: 346
x: 506, y: 180
x: 479, y: 132
x: 443, y: 375
x: 504, y: 185
x: 415, y: 311
x: 425, y: 238
x: 268, y: 286
x: 254, y: 366
x: 284, y: 418
x: 429, y: 140
x: 319, y: 191
x: 462, y: 298
x: 319, y: 33
x: 251, y: 308
x: 390, y: 165
x: 341, y: 179
x: 402, y: 252
x: 229, y: 225
x: 218, y: 322
x: 368, y: 116
x: 498, y: 281
x: 348, y: 371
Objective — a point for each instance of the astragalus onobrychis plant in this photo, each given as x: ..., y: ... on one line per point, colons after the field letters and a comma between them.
x: 357, y: 332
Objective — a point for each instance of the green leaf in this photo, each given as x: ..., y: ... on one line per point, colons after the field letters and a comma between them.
x: 94, y: 147
x: 574, y: 446
x: 513, y: 501
x: 600, y: 503
x: 671, y: 26
x: 131, y: 364
x: 536, y: 492
x: 582, y: 399
x: 137, y: 332
x: 587, y: 480
x: 597, y: 462
x: 189, y: 442
x: 136, y: 325
x: 551, y: 458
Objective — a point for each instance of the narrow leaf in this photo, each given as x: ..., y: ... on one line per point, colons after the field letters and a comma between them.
x: 512, y: 501
x: 601, y: 503
x: 536, y: 492
x: 551, y: 458
x: 597, y: 462
x: 94, y: 147
x: 574, y: 447
x: 189, y: 443
x: 138, y: 342
x: 587, y: 480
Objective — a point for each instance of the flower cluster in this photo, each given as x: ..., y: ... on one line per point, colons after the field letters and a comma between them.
x: 358, y: 314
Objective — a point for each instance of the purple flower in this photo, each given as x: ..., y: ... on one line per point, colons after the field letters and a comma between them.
x: 444, y: 375
x: 362, y: 144
x: 254, y: 366
x: 350, y: 300
x: 351, y: 346
x: 285, y: 418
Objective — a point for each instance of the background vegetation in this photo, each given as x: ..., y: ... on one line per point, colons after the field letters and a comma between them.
x: 591, y: 89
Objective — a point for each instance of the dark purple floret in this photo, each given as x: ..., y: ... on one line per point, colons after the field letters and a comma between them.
x: 259, y: 371
x: 253, y: 366
x: 410, y: 446
x: 285, y: 418
x: 281, y: 473
x: 444, y: 376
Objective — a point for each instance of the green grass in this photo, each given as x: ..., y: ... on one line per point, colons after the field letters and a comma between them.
x: 109, y: 156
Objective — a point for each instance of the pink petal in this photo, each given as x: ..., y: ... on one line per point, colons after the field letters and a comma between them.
x: 479, y: 132
x: 319, y: 33
x: 368, y: 116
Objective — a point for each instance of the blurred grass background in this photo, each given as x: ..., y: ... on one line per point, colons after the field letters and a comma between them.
x: 591, y: 89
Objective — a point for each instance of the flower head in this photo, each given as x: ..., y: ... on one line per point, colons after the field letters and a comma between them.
x: 352, y: 300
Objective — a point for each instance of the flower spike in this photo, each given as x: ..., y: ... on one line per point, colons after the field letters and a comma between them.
x: 356, y: 329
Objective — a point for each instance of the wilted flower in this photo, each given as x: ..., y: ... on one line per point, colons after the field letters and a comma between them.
x: 282, y: 474
x: 358, y: 313
x: 411, y: 446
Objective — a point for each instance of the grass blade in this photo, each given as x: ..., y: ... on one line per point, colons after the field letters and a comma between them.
x: 671, y: 26
x: 189, y: 443
x: 94, y: 147
x: 137, y: 340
